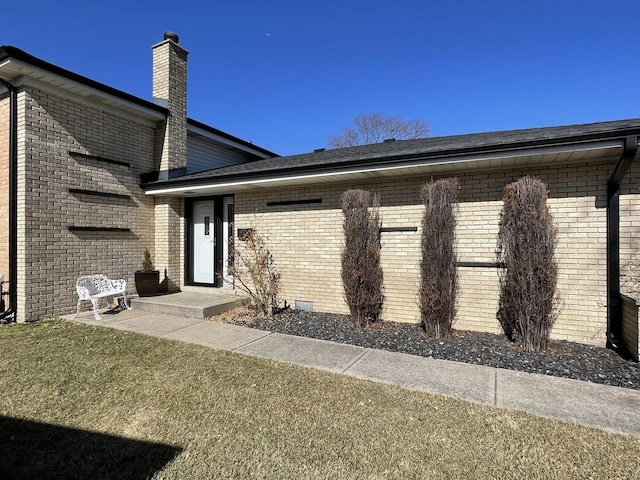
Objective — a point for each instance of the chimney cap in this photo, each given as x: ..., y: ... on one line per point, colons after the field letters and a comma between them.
x: 171, y: 36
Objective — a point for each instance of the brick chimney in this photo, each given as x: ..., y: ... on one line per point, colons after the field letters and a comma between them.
x: 170, y: 91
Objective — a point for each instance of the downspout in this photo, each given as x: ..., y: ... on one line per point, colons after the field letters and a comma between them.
x: 10, y: 314
x: 614, y: 304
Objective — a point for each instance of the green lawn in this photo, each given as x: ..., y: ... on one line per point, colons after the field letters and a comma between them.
x: 93, y: 402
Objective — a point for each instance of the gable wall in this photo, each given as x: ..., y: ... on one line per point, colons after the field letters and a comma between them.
x: 306, y: 241
x: 50, y: 257
x: 204, y: 155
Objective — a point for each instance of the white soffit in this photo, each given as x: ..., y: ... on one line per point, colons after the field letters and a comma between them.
x: 562, y: 154
x: 21, y: 73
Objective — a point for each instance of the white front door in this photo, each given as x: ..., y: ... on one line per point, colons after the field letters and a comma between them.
x: 204, y: 242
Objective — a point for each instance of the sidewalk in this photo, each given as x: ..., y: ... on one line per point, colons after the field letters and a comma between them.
x: 612, y: 409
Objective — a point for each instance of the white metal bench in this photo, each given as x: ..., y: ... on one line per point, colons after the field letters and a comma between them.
x: 95, y: 287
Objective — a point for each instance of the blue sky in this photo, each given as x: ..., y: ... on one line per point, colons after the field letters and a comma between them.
x: 287, y: 74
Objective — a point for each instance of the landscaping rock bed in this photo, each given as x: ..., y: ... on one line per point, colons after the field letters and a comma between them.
x: 563, y: 359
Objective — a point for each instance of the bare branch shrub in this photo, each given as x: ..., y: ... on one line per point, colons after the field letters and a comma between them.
x: 526, y: 246
x: 255, y: 273
x: 361, y: 269
x: 438, y: 268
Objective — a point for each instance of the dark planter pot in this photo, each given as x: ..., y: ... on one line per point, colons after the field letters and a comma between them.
x: 147, y: 283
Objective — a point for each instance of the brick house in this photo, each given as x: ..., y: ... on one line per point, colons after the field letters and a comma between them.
x: 81, y: 149
x: 101, y: 175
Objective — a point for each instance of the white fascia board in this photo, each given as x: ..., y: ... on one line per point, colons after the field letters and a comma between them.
x: 224, y: 140
x: 111, y: 100
x: 589, y: 146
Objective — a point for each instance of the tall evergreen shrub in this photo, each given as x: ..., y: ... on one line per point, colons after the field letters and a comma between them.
x: 526, y: 247
x: 438, y: 268
x: 361, y: 270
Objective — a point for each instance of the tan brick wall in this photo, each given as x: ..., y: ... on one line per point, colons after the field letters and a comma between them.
x: 50, y: 256
x: 169, y: 235
x: 306, y: 241
x: 4, y: 186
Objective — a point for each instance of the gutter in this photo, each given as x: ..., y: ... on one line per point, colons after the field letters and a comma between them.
x: 10, y: 314
x: 382, y: 164
x: 614, y: 302
x: 9, y: 52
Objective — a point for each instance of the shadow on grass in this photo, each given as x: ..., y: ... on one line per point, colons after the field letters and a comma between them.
x: 37, y: 450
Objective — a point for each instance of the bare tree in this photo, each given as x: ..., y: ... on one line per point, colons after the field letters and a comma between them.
x: 370, y: 128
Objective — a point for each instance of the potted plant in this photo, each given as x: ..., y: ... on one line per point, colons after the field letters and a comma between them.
x: 147, y: 279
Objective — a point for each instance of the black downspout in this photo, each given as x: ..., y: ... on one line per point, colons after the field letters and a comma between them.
x: 614, y: 304
x: 10, y: 314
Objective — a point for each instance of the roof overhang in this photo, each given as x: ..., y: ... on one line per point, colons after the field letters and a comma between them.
x: 443, y: 164
x: 22, y: 73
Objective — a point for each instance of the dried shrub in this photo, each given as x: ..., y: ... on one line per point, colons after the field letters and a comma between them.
x: 526, y: 247
x: 361, y: 269
x: 254, y: 271
x: 438, y: 268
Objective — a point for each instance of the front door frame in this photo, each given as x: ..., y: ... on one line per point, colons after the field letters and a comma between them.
x: 218, y: 216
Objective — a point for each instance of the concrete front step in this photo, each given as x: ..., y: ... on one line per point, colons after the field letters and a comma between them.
x: 191, y: 304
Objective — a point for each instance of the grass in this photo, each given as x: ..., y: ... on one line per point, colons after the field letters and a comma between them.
x: 91, y: 402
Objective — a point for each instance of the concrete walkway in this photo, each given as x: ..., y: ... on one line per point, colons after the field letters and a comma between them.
x: 612, y: 409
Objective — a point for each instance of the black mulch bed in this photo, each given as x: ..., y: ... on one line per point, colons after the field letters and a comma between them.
x: 563, y: 359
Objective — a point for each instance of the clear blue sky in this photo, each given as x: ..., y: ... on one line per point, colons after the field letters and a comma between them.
x: 286, y: 74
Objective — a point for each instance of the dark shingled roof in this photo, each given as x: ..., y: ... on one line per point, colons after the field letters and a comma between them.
x: 405, y: 150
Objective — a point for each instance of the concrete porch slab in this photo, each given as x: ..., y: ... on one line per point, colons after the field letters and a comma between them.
x: 191, y: 304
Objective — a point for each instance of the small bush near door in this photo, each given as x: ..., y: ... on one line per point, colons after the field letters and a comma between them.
x: 438, y: 268
x: 361, y: 270
x: 526, y: 247
x: 254, y: 271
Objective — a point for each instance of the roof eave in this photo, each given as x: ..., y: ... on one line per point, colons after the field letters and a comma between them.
x: 457, y: 160
x: 26, y: 63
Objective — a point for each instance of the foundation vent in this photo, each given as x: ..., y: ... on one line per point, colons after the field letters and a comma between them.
x: 304, y: 305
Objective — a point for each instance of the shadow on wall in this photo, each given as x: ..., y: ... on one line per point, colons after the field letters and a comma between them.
x: 167, y: 286
x: 475, y: 187
x: 39, y: 450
